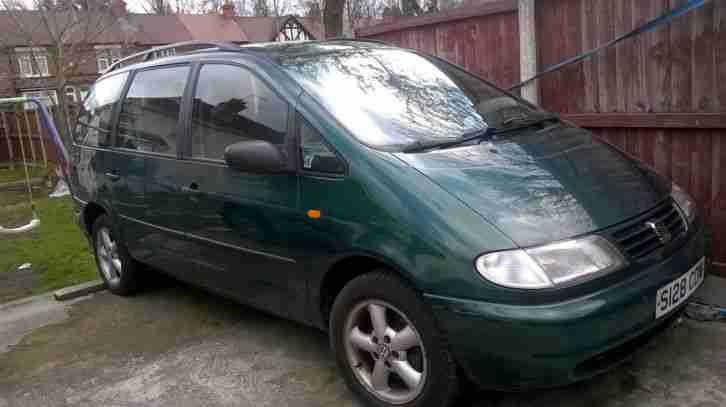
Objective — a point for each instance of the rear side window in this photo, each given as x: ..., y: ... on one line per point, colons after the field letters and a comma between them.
x: 93, y: 127
x: 150, y: 112
x: 231, y: 105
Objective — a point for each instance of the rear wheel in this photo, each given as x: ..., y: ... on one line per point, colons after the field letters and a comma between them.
x: 388, y: 345
x: 115, y: 266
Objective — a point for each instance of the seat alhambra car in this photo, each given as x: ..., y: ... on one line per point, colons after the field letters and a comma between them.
x: 441, y: 230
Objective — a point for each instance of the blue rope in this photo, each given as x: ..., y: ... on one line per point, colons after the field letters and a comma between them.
x: 650, y: 26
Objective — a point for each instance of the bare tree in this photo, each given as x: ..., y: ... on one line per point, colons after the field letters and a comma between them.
x: 188, y: 6
x: 242, y: 7
x: 333, y: 18
x: 357, y: 10
x: 61, y: 33
x: 280, y: 7
x: 160, y: 7
x: 311, y: 8
x: 261, y: 8
x: 410, y: 8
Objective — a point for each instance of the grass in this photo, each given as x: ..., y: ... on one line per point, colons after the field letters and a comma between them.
x: 57, y: 249
x: 8, y: 174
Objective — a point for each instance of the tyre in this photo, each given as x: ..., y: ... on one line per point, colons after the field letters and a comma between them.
x: 388, y: 346
x: 116, y: 267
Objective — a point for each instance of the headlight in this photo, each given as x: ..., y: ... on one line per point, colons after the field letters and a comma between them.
x: 685, y: 202
x: 552, y: 265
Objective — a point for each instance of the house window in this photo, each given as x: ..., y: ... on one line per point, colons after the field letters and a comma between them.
x: 32, y: 62
x: 47, y: 97
x: 293, y: 31
x: 70, y: 92
x: 106, y: 55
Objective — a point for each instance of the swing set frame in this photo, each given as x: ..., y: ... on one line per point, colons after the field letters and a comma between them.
x: 47, y: 122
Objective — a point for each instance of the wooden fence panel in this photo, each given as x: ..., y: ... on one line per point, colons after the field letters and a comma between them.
x: 21, y: 132
x: 661, y: 96
x: 458, y: 39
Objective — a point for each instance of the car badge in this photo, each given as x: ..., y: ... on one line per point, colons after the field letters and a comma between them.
x: 660, y: 230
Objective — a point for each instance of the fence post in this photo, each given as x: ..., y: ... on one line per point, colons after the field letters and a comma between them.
x: 6, y: 128
x: 528, y: 49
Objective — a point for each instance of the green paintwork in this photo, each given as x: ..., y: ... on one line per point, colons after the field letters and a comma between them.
x: 426, y: 215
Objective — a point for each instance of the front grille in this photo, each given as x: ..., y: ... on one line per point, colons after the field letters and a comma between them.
x: 639, y: 240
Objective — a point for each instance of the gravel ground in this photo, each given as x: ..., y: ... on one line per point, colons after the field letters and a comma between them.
x: 178, y: 346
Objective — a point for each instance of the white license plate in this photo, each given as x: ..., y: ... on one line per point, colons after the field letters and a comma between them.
x: 677, y: 291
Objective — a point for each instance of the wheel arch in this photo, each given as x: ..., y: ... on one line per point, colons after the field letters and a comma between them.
x: 91, y: 211
x: 344, y: 269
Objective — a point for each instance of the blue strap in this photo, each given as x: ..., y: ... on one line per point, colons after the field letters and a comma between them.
x: 650, y: 26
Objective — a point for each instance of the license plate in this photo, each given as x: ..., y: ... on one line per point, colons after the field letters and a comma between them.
x: 677, y: 291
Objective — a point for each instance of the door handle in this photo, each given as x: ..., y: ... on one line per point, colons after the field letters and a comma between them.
x: 193, y: 189
x: 113, y: 176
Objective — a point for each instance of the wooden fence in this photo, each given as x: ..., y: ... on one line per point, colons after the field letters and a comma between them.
x: 21, y: 132
x: 660, y: 97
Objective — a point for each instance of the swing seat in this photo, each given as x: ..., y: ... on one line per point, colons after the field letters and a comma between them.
x: 20, y: 229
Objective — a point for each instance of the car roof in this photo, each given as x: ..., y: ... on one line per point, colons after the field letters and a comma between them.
x: 277, y: 50
x: 271, y: 51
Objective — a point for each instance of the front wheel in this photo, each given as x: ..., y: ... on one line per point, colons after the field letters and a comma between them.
x: 388, y: 346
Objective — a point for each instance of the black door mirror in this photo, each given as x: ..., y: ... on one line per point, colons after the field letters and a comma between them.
x: 255, y: 156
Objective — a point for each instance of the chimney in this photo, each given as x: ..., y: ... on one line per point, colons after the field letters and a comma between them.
x: 228, y: 10
x: 118, y: 8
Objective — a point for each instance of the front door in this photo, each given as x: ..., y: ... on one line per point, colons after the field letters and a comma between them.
x: 243, y: 220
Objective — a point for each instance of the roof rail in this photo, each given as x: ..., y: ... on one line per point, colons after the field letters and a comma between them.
x: 358, y: 40
x: 148, y: 54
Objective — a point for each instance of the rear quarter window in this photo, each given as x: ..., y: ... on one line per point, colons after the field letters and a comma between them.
x: 150, y: 112
x: 93, y: 127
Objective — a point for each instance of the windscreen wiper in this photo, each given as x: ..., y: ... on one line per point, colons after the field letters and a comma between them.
x: 512, y: 124
x: 483, y: 134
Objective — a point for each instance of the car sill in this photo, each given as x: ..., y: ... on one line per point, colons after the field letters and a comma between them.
x: 216, y: 242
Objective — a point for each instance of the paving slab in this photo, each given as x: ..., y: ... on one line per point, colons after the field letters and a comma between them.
x: 178, y: 346
x: 712, y: 291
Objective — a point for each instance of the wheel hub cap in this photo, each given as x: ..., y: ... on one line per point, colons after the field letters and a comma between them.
x: 384, y: 351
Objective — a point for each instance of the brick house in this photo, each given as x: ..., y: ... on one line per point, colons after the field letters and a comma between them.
x: 25, y: 69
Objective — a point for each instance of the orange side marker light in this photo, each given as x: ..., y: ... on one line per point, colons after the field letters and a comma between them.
x: 313, y: 214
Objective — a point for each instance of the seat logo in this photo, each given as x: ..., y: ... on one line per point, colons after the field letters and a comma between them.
x: 660, y: 230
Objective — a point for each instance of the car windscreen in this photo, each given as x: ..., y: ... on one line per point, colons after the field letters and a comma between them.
x: 391, y: 98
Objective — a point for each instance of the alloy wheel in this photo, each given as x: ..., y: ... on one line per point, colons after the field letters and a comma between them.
x: 385, y: 351
x: 108, y: 257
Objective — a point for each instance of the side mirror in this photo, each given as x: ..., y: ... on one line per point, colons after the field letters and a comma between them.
x: 256, y: 156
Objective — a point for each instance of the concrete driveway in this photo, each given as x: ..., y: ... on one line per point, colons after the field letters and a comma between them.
x: 178, y: 346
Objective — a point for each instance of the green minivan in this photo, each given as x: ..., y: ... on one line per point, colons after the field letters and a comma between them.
x: 442, y: 231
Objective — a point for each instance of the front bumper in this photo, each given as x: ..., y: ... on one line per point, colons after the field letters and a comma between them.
x: 510, y: 347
